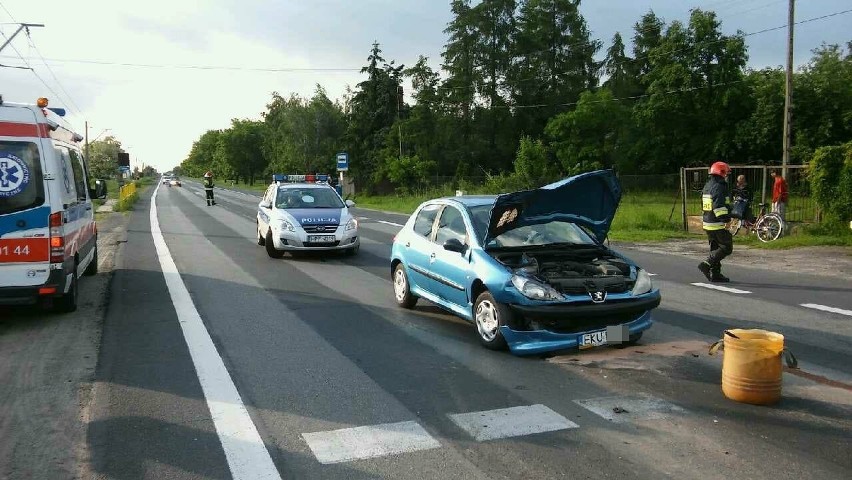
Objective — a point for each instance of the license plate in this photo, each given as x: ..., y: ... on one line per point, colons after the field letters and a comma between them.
x: 321, y: 238
x: 594, y: 339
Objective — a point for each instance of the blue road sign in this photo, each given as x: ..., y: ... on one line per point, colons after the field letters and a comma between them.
x: 342, y: 162
x: 124, y: 168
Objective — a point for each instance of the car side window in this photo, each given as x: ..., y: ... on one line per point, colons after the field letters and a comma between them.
x: 425, y: 219
x: 451, y: 225
x: 79, y: 175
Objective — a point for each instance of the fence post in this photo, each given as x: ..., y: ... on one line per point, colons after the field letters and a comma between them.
x: 763, y: 188
x: 683, y: 198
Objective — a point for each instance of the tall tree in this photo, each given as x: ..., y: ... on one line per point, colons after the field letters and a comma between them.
x: 103, y: 157
x: 617, y: 68
x: 647, y: 35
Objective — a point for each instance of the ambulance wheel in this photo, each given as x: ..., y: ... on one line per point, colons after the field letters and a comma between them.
x: 92, y: 269
x: 270, y: 246
x: 260, y: 240
x: 68, y: 303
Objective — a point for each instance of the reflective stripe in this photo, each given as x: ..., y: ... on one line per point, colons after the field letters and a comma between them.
x: 713, y: 226
x: 720, y: 211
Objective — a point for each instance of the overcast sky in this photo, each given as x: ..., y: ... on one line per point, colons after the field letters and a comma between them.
x: 158, y: 112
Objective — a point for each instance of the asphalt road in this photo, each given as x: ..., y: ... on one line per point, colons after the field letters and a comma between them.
x: 306, y: 368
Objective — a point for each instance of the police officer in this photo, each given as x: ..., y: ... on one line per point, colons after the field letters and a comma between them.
x: 208, y: 188
x: 714, y: 203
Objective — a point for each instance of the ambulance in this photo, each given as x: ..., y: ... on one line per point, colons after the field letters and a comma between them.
x: 48, y: 236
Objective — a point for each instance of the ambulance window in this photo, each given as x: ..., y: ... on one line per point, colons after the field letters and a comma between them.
x: 21, y: 184
x: 66, y: 176
x: 79, y: 175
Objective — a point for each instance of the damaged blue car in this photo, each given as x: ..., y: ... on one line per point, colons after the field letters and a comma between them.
x: 529, y: 269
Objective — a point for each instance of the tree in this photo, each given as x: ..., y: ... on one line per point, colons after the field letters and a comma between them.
x: 240, y: 148
x: 103, y: 157
x: 648, y: 33
x: 617, y: 68
x: 758, y: 137
x: 201, y: 157
x: 533, y: 166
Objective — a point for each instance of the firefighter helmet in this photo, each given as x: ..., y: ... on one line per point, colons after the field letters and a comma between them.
x: 720, y: 168
x: 208, y: 174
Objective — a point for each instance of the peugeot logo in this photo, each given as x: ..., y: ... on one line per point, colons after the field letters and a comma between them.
x: 598, y: 296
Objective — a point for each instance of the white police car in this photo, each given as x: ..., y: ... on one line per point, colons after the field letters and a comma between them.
x: 301, y: 213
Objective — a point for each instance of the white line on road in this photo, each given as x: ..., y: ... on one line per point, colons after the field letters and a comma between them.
x: 720, y: 288
x: 389, y: 223
x: 368, y: 442
x: 246, y: 454
x: 511, y: 422
x: 817, y: 306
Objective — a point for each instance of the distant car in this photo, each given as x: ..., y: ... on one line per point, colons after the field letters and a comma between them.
x: 166, y: 179
x: 529, y: 269
x: 174, y: 182
x: 305, y: 216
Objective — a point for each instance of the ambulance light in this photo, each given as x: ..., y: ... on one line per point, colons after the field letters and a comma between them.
x: 41, y: 102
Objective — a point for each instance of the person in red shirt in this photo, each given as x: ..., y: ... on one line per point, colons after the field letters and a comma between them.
x: 779, y: 194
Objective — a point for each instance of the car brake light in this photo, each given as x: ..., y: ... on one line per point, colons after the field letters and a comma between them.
x: 47, y: 290
x: 57, y: 238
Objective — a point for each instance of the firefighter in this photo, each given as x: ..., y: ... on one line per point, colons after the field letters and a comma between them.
x: 714, y: 203
x: 208, y: 188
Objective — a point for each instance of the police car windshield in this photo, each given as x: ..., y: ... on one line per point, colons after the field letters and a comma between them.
x: 21, y: 185
x: 295, y: 197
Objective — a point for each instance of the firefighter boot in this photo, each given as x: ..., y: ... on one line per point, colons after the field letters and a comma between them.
x: 716, y: 275
x: 706, y: 270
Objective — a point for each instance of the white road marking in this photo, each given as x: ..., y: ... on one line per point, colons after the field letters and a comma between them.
x: 389, y: 223
x: 652, y: 274
x: 357, y: 443
x: 511, y: 422
x: 720, y: 288
x: 817, y: 306
x: 625, y: 409
x: 363, y: 218
x: 246, y: 454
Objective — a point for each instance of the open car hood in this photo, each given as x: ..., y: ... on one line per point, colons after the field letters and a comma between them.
x: 588, y: 200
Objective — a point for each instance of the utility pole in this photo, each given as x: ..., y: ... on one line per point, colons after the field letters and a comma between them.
x: 399, y: 99
x: 788, y: 96
x: 21, y: 26
x: 87, y: 140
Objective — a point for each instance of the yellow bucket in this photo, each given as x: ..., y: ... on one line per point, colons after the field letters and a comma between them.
x: 751, y: 368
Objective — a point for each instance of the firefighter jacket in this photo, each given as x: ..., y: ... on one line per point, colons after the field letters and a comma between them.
x: 714, y: 203
x: 208, y: 183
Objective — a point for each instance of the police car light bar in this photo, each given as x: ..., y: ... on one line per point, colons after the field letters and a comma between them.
x: 309, y: 178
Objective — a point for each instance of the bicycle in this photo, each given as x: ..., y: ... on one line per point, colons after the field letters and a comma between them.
x: 767, y: 226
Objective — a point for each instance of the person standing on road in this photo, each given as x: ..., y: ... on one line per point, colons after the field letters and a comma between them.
x: 714, y: 203
x: 779, y: 195
x: 208, y: 188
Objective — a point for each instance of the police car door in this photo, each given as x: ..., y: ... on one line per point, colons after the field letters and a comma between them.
x: 264, y: 210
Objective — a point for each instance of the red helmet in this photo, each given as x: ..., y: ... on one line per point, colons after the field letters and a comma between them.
x: 208, y: 174
x: 720, y: 168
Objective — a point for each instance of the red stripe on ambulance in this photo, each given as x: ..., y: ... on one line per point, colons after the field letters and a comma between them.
x: 15, y: 250
x: 14, y: 129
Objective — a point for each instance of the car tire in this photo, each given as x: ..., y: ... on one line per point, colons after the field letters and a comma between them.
x: 351, y: 252
x: 402, y: 288
x: 270, y: 246
x: 260, y: 240
x: 92, y: 269
x: 488, y: 316
x: 68, y: 303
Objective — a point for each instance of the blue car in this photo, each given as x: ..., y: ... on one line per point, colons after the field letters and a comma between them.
x: 529, y: 269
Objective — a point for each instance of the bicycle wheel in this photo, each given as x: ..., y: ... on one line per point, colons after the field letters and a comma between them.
x: 769, y: 228
x: 735, y: 225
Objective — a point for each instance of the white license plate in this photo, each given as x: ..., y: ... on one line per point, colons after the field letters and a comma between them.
x: 320, y: 238
x: 594, y: 339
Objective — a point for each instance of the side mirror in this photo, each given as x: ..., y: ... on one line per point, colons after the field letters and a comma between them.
x: 100, y: 190
x: 454, y: 245
x: 350, y: 203
x: 266, y: 204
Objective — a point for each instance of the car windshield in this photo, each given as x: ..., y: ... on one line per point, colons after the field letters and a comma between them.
x: 290, y: 197
x: 554, y: 232
x: 21, y: 185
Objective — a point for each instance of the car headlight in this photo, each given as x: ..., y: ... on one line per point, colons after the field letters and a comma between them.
x: 643, y: 283
x: 352, y: 224
x: 535, y: 290
x: 285, y: 225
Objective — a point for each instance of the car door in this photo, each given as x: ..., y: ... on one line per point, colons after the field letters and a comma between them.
x: 450, y: 269
x: 264, y: 212
x: 419, y: 248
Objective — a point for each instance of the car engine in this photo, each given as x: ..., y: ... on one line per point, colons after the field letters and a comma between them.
x: 573, y: 272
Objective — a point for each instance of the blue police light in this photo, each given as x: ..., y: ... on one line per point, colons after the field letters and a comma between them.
x: 290, y: 178
x: 58, y: 111
x: 277, y: 178
x: 322, y: 178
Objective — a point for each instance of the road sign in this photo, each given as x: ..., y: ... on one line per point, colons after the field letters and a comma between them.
x: 123, y: 168
x: 342, y: 162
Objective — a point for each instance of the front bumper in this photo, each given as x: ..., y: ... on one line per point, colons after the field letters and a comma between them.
x: 297, y: 241
x: 533, y: 342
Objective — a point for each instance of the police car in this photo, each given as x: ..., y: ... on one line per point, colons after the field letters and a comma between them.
x: 48, y: 236
x: 301, y: 213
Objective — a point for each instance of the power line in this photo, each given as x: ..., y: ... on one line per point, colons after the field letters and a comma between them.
x: 202, y: 67
x: 72, y: 103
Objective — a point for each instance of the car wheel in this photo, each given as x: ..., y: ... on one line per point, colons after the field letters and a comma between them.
x: 402, y: 289
x: 68, y: 303
x: 351, y: 252
x: 92, y: 269
x: 270, y: 246
x: 489, y: 315
x: 260, y: 240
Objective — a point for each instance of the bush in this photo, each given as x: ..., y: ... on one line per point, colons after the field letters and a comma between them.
x: 830, y: 175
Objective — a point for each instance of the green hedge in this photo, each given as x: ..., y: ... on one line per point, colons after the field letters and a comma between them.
x: 830, y: 173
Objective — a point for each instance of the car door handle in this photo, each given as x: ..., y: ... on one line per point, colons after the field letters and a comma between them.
x: 407, y: 244
x: 432, y: 257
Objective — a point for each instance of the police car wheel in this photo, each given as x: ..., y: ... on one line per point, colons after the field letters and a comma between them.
x: 260, y: 240
x: 401, y: 288
x: 351, y: 252
x: 270, y: 246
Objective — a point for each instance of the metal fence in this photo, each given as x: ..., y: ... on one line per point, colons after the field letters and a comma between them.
x: 800, y: 206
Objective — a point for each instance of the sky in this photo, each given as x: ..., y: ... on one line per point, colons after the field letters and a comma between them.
x: 89, y: 56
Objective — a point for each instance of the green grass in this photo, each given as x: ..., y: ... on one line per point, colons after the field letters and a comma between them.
x: 829, y: 234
